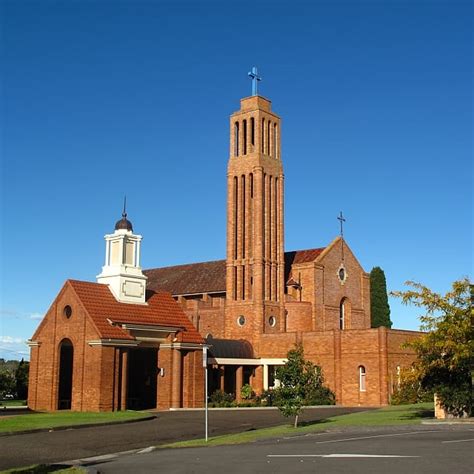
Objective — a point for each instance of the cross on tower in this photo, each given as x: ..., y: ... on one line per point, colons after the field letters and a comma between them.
x: 341, y: 219
x: 255, y: 79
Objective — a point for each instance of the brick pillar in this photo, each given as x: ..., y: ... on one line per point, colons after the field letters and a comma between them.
x: 117, y: 388
x: 239, y: 378
x: 222, y: 377
x: 383, y: 366
x: 124, y: 380
x: 257, y: 380
x: 164, y: 382
x: 337, y: 366
x: 176, y: 382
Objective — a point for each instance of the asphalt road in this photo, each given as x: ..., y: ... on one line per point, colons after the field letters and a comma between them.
x: 57, y: 446
x: 414, y: 449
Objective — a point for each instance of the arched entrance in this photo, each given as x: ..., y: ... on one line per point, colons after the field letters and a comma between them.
x: 66, y: 356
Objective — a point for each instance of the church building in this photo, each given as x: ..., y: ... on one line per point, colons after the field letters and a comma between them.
x: 134, y: 338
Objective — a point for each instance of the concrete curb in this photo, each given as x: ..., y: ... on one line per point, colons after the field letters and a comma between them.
x: 73, y: 427
x: 460, y: 421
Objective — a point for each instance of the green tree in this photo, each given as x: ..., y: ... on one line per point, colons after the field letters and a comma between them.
x: 379, y: 307
x: 445, y: 351
x: 21, y: 379
x: 300, y: 380
x: 7, y: 383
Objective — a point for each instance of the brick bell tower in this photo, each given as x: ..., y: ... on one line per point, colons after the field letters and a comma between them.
x: 255, y: 246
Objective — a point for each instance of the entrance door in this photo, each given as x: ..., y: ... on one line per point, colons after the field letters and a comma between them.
x: 142, y: 376
x: 66, y: 357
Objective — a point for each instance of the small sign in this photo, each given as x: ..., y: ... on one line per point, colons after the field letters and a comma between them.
x: 204, y: 356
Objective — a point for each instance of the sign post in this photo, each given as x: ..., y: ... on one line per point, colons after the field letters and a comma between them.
x: 204, y: 364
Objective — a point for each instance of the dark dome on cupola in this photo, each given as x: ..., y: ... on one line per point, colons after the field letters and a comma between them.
x: 124, y: 223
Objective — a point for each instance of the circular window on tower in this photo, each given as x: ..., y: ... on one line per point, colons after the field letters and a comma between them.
x: 272, y: 321
x: 67, y: 311
x: 241, y: 320
x: 342, y: 274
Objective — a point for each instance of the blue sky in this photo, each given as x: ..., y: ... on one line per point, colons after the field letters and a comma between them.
x: 102, y: 99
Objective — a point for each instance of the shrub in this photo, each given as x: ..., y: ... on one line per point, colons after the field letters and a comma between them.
x: 246, y: 392
x: 221, y: 399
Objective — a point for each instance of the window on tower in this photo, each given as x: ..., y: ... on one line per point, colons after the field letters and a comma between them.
x: 252, y: 131
x: 244, y: 137
x: 236, y: 139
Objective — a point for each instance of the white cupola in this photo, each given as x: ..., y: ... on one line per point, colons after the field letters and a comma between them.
x: 122, y: 271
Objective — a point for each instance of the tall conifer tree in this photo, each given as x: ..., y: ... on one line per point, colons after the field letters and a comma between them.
x: 379, y: 307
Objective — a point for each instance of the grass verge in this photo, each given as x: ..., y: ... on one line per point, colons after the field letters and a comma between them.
x: 44, y: 469
x: 12, y: 403
x: 34, y: 421
x: 393, y: 415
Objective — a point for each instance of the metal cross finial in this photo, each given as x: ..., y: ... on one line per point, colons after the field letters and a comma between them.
x: 255, y: 80
x: 341, y: 219
x: 124, y: 213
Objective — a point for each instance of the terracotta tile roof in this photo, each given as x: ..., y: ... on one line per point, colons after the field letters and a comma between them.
x: 161, y: 310
x: 209, y: 277
x: 205, y: 277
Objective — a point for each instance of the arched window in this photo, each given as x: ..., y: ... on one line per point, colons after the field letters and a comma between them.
x: 342, y: 314
x: 252, y: 131
x: 362, y: 374
x: 66, y: 358
x: 236, y: 139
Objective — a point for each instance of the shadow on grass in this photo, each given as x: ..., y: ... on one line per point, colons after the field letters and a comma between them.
x: 313, y: 422
x: 419, y: 414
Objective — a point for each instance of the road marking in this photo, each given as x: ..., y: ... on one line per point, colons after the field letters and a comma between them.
x: 376, y: 436
x: 338, y: 456
x: 459, y: 440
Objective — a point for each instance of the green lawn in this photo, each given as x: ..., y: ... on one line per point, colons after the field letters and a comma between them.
x: 393, y: 415
x: 10, y: 424
x: 12, y: 403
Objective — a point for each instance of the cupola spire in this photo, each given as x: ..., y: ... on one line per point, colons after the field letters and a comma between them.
x: 122, y: 271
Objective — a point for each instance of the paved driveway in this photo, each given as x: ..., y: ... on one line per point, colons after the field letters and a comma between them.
x: 415, y: 449
x: 56, y: 446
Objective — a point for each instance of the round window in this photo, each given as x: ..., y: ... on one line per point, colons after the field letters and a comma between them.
x: 272, y: 321
x: 67, y: 311
x: 241, y: 320
x: 342, y: 274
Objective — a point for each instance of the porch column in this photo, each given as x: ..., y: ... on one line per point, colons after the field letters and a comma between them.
x: 222, y: 377
x: 265, y: 377
x: 124, y: 381
x: 257, y: 380
x: 176, y: 383
x: 239, y: 378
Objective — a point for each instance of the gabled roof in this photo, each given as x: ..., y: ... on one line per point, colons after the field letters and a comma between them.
x: 161, y: 310
x: 209, y: 277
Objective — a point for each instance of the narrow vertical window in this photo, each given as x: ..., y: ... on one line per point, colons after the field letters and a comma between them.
x: 275, y: 142
x: 362, y: 384
x: 236, y: 139
x: 263, y: 135
x: 342, y: 315
x: 252, y: 131
x: 269, y: 151
x: 251, y: 185
x: 235, y: 283
x: 242, y: 193
x: 236, y: 215
x: 243, y: 282
x: 244, y: 137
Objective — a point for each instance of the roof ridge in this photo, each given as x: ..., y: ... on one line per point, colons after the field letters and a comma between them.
x: 185, y: 264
